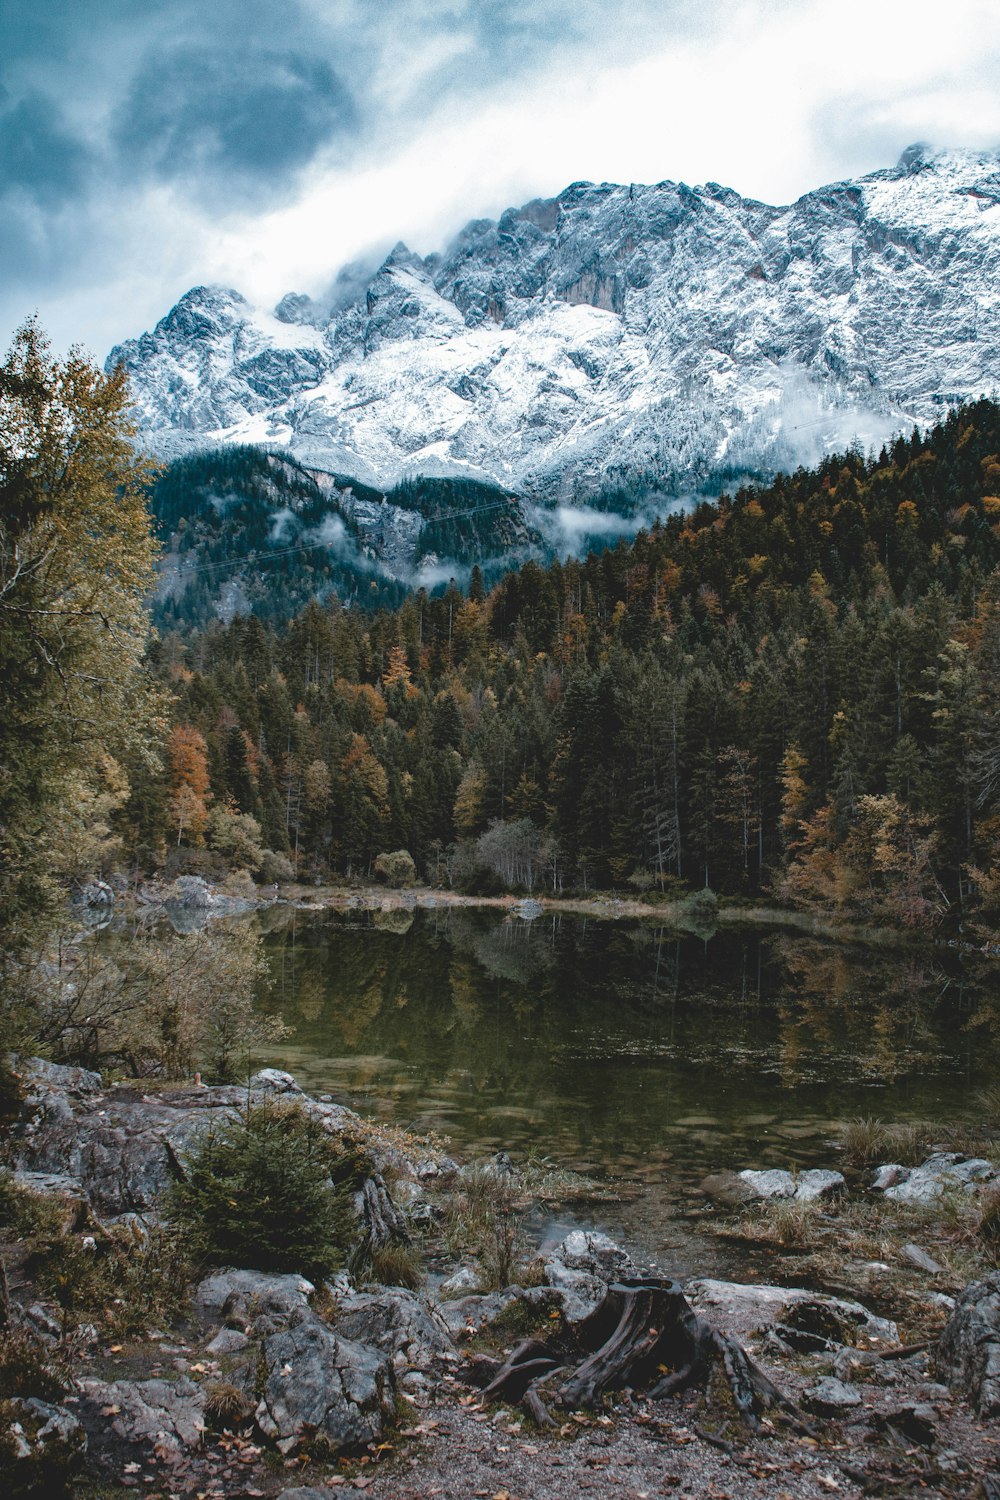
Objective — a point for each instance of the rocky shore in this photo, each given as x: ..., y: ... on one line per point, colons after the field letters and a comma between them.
x: 266, y: 1383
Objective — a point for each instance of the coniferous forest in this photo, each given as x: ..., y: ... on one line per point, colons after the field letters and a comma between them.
x: 789, y: 694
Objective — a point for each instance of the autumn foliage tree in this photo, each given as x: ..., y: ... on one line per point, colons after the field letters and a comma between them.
x: 76, y: 565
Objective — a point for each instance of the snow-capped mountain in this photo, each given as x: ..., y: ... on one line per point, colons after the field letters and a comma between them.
x: 655, y: 336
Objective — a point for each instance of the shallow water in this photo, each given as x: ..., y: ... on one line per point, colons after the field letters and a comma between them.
x: 621, y: 1050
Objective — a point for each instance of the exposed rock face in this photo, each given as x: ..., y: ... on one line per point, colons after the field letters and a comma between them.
x: 118, y: 1150
x: 968, y: 1355
x: 318, y: 1382
x: 744, y: 1310
x: 396, y: 1321
x: 168, y: 1414
x: 660, y: 333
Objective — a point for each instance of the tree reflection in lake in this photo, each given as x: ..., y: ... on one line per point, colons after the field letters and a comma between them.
x: 620, y: 1047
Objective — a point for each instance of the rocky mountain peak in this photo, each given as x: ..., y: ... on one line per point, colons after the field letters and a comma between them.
x: 660, y: 334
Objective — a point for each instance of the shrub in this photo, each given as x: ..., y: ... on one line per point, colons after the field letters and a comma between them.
x: 259, y: 1193
x: 396, y: 868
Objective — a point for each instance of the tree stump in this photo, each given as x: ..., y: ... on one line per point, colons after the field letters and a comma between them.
x: 645, y: 1334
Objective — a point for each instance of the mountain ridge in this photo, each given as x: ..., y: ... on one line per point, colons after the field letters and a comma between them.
x: 658, y: 337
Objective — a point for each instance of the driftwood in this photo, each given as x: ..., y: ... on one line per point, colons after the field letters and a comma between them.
x: 645, y: 1335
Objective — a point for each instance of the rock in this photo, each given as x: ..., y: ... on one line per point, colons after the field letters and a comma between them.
x: 968, y: 1352
x: 830, y: 1398
x: 274, y: 1081
x: 817, y: 1183
x: 805, y: 1187
x: 309, y: 1492
x: 909, y: 1424
x: 245, y: 1295
x: 943, y: 1170
x: 921, y: 1260
x: 529, y: 909
x: 395, y: 1321
x: 470, y: 1314
x: 770, y: 1184
x: 465, y: 1279
x: 319, y: 1382
x: 726, y: 1187
x: 40, y: 1074
x: 227, y: 1341
x: 167, y: 1414
x: 581, y: 1267
x: 742, y: 1310
x: 124, y: 1151
x: 68, y: 1191
x: 848, y: 1363
x: 887, y: 1176
x: 96, y: 893
x: 44, y: 1447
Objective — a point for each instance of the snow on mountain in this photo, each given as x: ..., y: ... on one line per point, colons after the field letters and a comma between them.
x: 657, y: 336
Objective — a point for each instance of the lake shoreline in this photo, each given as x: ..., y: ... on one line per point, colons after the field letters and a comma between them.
x: 608, y: 907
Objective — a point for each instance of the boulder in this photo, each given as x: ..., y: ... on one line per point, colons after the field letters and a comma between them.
x: 467, y: 1279
x: 803, y: 1187
x: 924, y: 1184
x: 319, y: 1384
x: 582, y: 1267
x: 770, y: 1184
x: 124, y: 1150
x: 745, y: 1310
x: 968, y: 1353
x: 396, y: 1321
x: 166, y: 1414
x: 227, y: 1341
x: 817, y: 1183
x: 274, y: 1081
x: 43, y: 1076
x: 470, y: 1314
x: 240, y: 1297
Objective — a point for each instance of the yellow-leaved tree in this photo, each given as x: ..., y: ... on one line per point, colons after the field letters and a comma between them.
x: 76, y: 565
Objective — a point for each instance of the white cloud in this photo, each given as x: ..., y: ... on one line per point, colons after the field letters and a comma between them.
x: 772, y: 99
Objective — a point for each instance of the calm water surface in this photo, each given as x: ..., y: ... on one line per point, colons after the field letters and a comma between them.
x: 620, y: 1049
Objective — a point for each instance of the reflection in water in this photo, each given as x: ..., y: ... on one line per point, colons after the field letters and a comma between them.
x: 619, y: 1048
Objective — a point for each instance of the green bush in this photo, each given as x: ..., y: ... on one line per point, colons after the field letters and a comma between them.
x: 396, y: 869
x: 266, y: 1191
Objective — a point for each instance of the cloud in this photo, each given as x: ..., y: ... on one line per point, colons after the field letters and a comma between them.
x: 147, y: 145
x: 237, y: 122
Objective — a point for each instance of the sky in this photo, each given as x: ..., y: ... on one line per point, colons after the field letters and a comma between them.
x: 147, y: 146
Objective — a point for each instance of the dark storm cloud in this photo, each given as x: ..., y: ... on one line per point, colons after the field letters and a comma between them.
x: 40, y: 159
x: 231, y: 119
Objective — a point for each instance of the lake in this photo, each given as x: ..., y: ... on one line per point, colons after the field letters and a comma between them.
x: 622, y: 1050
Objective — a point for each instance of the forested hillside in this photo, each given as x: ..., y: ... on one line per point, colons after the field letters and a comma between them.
x: 794, y: 691
x: 245, y: 531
